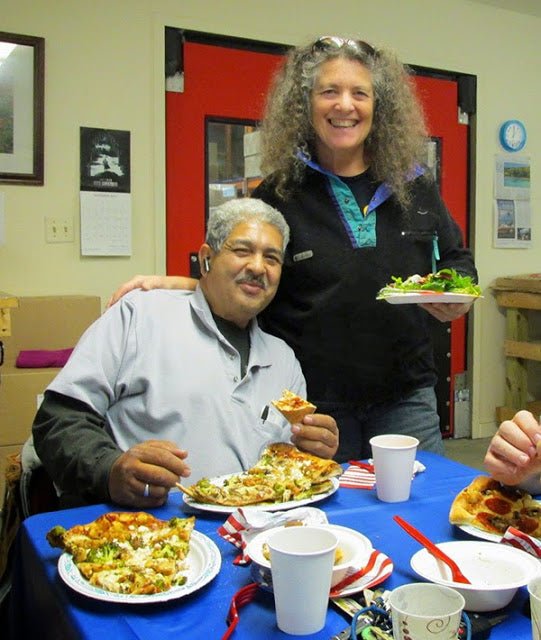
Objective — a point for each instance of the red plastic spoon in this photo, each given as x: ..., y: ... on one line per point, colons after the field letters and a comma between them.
x: 458, y: 576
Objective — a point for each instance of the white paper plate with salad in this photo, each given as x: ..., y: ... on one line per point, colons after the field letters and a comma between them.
x: 424, y: 297
x: 444, y: 286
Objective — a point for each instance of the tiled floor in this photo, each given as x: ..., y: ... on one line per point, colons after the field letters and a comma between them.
x: 470, y: 452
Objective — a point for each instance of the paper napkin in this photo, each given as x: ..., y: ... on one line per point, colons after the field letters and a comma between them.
x: 244, y: 524
x: 360, y: 475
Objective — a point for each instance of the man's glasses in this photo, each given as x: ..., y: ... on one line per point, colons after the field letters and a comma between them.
x: 329, y: 43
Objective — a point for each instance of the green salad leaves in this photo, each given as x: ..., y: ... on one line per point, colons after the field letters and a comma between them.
x: 445, y: 281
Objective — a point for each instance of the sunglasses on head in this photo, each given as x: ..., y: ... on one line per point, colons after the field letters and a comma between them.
x: 328, y: 43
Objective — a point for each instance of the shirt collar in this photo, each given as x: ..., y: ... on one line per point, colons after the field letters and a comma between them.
x: 259, y: 348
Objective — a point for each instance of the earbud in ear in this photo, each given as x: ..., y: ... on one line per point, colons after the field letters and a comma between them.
x: 206, y: 262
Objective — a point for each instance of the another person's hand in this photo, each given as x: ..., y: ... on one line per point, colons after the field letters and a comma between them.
x: 156, y: 463
x: 146, y: 283
x: 446, y: 312
x: 316, y: 434
x: 512, y: 455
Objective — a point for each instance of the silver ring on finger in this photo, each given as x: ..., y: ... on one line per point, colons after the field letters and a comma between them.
x: 146, y: 491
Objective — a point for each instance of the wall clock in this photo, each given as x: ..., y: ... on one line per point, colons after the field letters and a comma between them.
x: 512, y: 135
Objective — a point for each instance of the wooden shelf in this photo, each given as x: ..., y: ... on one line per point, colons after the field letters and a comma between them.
x: 519, y: 296
x: 526, y: 350
x: 506, y: 413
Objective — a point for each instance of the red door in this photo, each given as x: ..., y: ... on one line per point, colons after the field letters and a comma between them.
x: 221, y: 82
x: 440, y: 100
x: 231, y: 83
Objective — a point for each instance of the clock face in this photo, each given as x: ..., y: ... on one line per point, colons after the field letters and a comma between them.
x: 513, y: 135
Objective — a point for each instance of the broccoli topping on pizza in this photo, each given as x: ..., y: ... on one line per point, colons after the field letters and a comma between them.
x: 132, y: 553
x: 282, y: 473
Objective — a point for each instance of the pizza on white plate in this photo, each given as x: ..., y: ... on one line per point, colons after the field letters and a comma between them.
x: 131, y: 553
x: 490, y: 506
x: 281, y: 474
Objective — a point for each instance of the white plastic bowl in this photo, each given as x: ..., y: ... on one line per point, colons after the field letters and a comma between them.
x: 355, y: 547
x: 495, y: 570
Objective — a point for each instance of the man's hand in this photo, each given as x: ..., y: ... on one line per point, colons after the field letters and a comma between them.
x: 445, y: 312
x: 156, y: 463
x: 316, y: 434
x: 512, y: 455
x: 146, y: 283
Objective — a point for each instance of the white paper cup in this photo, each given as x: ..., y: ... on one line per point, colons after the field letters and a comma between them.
x: 393, y: 456
x: 302, y: 560
x: 534, y: 589
x: 425, y: 610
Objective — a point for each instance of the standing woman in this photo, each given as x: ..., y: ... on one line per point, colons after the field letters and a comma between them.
x: 343, y: 141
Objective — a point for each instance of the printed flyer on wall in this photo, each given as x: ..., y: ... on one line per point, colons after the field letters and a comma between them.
x: 512, y: 211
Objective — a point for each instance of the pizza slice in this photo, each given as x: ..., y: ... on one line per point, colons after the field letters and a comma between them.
x: 294, y: 462
x: 293, y: 407
x: 281, y: 474
x: 126, y: 552
x: 490, y: 506
x: 236, y: 491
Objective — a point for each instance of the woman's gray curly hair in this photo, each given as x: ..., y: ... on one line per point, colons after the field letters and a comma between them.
x: 396, y: 143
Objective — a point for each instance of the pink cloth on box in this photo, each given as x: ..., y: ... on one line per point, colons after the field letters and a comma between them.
x: 38, y: 358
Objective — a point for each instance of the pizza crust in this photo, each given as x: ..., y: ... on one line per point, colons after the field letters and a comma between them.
x: 293, y: 407
x: 467, y: 502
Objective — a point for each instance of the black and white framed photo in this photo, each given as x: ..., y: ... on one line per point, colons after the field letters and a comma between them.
x: 22, y: 67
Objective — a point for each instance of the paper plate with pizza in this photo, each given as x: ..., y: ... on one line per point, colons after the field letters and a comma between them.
x: 486, y: 508
x: 446, y: 285
x: 135, y: 558
x: 284, y: 477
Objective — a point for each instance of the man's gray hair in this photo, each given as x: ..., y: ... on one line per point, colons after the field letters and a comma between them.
x: 224, y: 218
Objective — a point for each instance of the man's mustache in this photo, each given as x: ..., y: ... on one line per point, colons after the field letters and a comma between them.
x: 260, y: 281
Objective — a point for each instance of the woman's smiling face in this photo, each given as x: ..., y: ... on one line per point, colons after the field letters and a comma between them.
x: 342, y: 112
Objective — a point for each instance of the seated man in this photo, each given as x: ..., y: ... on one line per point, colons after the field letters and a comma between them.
x: 514, y: 453
x: 170, y: 384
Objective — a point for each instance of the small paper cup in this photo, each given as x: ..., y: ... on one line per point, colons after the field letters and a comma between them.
x: 302, y: 560
x: 424, y: 610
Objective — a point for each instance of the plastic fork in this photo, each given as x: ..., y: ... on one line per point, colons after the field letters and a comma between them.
x: 456, y: 573
x: 243, y: 596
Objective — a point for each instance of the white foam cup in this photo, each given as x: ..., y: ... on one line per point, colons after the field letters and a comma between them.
x: 394, y: 456
x: 534, y: 589
x: 302, y: 560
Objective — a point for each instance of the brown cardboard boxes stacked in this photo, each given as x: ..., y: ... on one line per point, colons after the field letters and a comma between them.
x: 43, y: 322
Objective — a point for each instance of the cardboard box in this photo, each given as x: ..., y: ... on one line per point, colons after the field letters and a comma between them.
x: 45, y: 322
x: 4, y: 453
x: 20, y: 395
x: 48, y: 322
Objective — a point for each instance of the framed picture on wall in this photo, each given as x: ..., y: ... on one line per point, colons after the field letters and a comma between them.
x: 22, y: 63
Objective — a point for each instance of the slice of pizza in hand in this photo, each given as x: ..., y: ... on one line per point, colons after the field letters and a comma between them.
x: 490, y: 506
x: 293, y: 407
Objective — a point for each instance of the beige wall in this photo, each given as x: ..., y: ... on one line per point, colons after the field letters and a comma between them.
x: 104, y: 69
